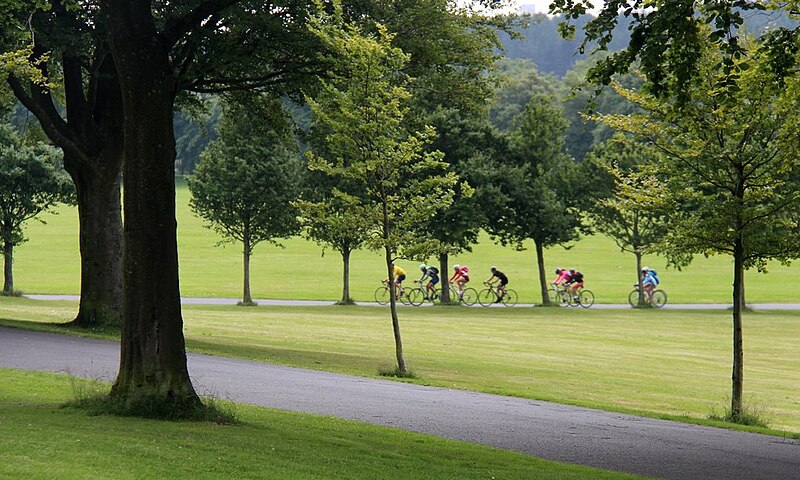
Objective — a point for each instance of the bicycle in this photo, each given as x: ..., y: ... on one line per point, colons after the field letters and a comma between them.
x: 657, y: 299
x: 566, y: 298
x: 419, y: 294
x: 468, y: 297
x: 381, y: 294
x: 488, y: 296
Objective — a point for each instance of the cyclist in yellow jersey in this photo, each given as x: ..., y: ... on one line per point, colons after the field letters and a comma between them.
x: 399, y: 274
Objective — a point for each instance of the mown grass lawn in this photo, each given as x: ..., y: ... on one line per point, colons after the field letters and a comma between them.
x: 49, y: 263
x: 41, y: 440
x: 661, y: 363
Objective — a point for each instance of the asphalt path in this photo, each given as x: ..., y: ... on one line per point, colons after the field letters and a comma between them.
x: 571, y: 434
x: 321, y: 303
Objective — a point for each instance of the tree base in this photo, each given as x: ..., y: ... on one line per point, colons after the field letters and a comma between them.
x: 247, y: 304
x: 154, y: 406
x: 396, y: 373
x: 348, y: 302
x: 12, y: 293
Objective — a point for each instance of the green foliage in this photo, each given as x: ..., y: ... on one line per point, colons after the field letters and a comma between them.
x: 363, y: 107
x: 633, y: 210
x: 30, y: 183
x: 537, y: 181
x: 248, y: 177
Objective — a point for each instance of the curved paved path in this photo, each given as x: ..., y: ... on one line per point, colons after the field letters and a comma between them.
x: 571, y: 434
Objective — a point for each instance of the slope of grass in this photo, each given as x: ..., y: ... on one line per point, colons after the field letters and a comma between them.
x: 42, y: 441
x: 49, y: 263
x: 674, y: 363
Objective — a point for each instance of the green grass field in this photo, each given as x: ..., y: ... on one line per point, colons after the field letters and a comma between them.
x: 40, y: 440
x: 49, y: 263
x: 660, y: 363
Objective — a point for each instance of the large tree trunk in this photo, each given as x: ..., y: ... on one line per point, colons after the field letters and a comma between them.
x: 546, y: 300
x: 100, y: 237
x: 153, y: 355
x: 346, y: 300
x: 737, y: 376
x: 640, y: 300
x: 8, y: 270
x: 444, y: 277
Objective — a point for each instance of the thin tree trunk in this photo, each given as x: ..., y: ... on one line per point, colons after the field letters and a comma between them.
x: 346, y: 300
x: 546, y: 300
x: 444, y: 277
x: 8, y: 271
x: 737, y: 376
x: 246, y: 298
x: 153, y: 354
x: 640, y: 301
x: 398, y: 341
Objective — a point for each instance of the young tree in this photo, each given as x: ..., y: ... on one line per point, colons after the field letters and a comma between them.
x: 733, y: 172
x: 363, y: 107
x: 632, y: 210
x: 30, y: 184
x: 539, y: 184
x: 247, y: 179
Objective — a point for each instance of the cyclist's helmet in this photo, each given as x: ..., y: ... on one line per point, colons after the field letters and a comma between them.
x: 558, y: 270
x: 423, y: 267
x: 645, y: 269
x: 456, y: 266
x: 493, y: 268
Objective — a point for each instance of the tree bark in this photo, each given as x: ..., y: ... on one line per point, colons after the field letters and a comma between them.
x: 398, y: 341
x: 8, y: 270
x: 444, y: 277
x: 546, y: 300
x: 153, y: 354
x: 640, y: 301
x: 246, y: 298
x: 346, y: 300
x: 737, y: 376
x: 100, y: 238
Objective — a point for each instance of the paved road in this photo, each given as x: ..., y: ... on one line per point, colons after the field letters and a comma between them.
x: 571, y: 434
x: 317, y: 303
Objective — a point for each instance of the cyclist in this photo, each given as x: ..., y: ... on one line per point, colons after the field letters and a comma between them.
x: 432, y: 274
x: 649, y: 283
x: 562, y: 277
x: 399, y: 276
x: 575, y: 282
x: 502, y: 281
x: 461, y: 277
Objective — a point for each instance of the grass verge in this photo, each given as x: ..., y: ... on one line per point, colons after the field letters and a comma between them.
x: 44, y: 441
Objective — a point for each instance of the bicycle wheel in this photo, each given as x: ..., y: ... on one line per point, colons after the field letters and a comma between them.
x: 552, y: 295
x: 382, y: 295
x: 486, y: 297
x: 564, y: 298
x: 510, y: 298
x: 415, y: 296
x: 633, y: 297
x: 469, y: 297
x: 402, y: 296
x: 586, y: 298
x: 659, y: 298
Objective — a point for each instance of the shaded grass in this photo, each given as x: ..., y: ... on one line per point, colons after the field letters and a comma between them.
x: 669, y: 364
x: 49, y: 263
x: 42, y: 441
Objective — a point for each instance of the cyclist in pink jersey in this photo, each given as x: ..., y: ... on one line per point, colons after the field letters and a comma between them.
x: 461, y: 276
x: 562, y: 276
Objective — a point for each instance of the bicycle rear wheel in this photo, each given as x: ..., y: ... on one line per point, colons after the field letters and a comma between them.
x: 564, y: 298
x: 486, y: 297
x: 586, y: 298
x: 510, y: 298
x: 659, y: 298
x: 382, y: 295
x: 469, y: 297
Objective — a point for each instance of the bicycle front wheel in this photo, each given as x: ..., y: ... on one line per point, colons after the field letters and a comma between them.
x: 586, y: 298
x: 415, y: 296
x: 510, y: 298
x: 469, y: 297
x: 659, y: 298
x: 382, y: 295
x: 486, y: 297
x: 564, y: 298
x: 633, y: 297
